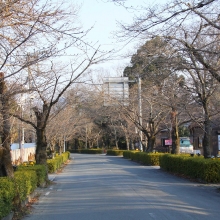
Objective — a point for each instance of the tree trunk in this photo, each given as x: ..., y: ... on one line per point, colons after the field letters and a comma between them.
x: 207, y: 136
x: 175, y: 141
x: 41, y: 154
x: 150, y: 143
x: 6, y: 168
x: 175, y: 133
x: 131, y: 145
x: 127, y: 142
x: 116, y: 144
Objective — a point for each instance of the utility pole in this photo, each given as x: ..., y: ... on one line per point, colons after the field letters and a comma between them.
x: 64, y: 143
x: 86, y: 137
x: 140, y: 111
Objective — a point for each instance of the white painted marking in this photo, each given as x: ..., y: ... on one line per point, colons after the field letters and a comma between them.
x: 59, y: 190
x: 152, y: 215
x: 47, y: 193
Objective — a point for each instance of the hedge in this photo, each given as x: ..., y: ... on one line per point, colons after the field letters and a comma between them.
x: 54, y: 164
x: 25, y: 183
x: 115, y: 152
x: 7, y: 194
x: 40, y: 170
x: 144, y: 158
x: 87, y: 151
x: 204, y: 170
x: 26, y: 179
x: 14, y: 191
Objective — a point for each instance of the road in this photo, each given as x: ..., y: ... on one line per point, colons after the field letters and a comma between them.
x: 100, y: 187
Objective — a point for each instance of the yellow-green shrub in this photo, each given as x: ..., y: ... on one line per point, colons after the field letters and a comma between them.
x: 144, y: 158
x: 66, y: 156
x: 128, y: 154
x: 40, y: 170
x: 52, y: 165
x: 7, y: 193
x: 115, y: 152
x: 55, y: 163
x: 25, y: 182
x: 87, y: 151
x: 206, y: 170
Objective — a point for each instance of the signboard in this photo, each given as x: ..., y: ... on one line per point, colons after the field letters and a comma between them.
x: 219, y: 142
x: 116, y: 91
x: 168, y: 142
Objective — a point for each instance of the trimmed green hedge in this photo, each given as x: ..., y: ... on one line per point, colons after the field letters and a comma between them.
x: 25, y: 182
x: 40, y: 170
x: 144, y: 158
x: 66, y: 156
x: 54, y: 164
x: 87, y: 151
x: 115, y: 152
x: 14, y: 191
x: 7, y: 194
x: 205, y: 170
x: 128, y: 154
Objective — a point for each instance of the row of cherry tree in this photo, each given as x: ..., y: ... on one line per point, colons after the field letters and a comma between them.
x: 179, y: 68
x: 43, y: 53
x: 179, y: 64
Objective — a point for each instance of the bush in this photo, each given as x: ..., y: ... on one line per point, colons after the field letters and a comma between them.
x: 115, y: 152
x: 40, y: 170
x: 87, y: 151
x: 128, y: 154
x: 205, y: 170
x: 66, y: 156
x: 144, y: 158
x: 7, y: 194
x: 25, y: 182
x: 54, y: 164
x: 51, y: 165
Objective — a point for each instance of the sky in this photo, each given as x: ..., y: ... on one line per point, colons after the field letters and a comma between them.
x: 104, y: 16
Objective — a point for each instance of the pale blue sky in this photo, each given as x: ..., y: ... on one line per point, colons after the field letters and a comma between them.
x: 104, y: 16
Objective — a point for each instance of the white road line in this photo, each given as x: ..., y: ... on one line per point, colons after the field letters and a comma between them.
x: 152, y: 215
x: 47, y: 193
x: 59, y: 190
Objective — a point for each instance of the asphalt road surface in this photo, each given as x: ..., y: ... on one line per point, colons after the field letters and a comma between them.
x: 100, y: 187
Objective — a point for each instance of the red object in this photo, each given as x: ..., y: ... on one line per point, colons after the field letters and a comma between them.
x: 168, y: 142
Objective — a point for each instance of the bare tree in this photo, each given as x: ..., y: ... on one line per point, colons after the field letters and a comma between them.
x: 49, y: 87
x: 43, y: 33
x: 6, y: 168
x: 179, y: 101
x: 168, y: 19
x: 192, y: 30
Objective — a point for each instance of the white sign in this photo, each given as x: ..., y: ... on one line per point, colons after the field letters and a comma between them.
x: 219, y: 142
x: 116, y: 91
